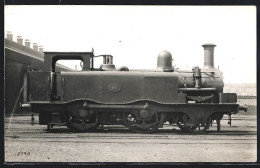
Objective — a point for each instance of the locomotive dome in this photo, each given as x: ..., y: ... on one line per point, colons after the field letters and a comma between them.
x: 164, y: 61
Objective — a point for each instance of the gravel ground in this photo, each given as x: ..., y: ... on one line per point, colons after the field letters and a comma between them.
x: 26, y: 143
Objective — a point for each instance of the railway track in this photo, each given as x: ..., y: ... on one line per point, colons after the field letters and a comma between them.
x: 117, y: 143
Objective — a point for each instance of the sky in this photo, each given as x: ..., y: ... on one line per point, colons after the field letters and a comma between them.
x: 135, y: 35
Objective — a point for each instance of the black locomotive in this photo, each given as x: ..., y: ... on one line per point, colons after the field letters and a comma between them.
x: 140, y: 100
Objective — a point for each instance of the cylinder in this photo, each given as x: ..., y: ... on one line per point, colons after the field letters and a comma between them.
x: 209, y: 56
x: 20, y: 40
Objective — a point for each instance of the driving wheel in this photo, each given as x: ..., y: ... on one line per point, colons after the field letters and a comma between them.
x: 145, y: 125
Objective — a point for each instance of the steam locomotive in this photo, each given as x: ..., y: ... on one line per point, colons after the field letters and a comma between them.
x: 141, y: 100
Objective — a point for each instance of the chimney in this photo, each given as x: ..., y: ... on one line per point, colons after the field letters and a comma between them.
x: 9, y: 35
x: 27, y: 43
x: 35, y: 46
x: 209, y: 56
x: 41, y: 49
x: 20, y: 40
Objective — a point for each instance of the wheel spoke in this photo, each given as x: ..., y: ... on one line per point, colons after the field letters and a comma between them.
x: 82, y: 126
x: 199, y: 129
x: 145, y: 126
